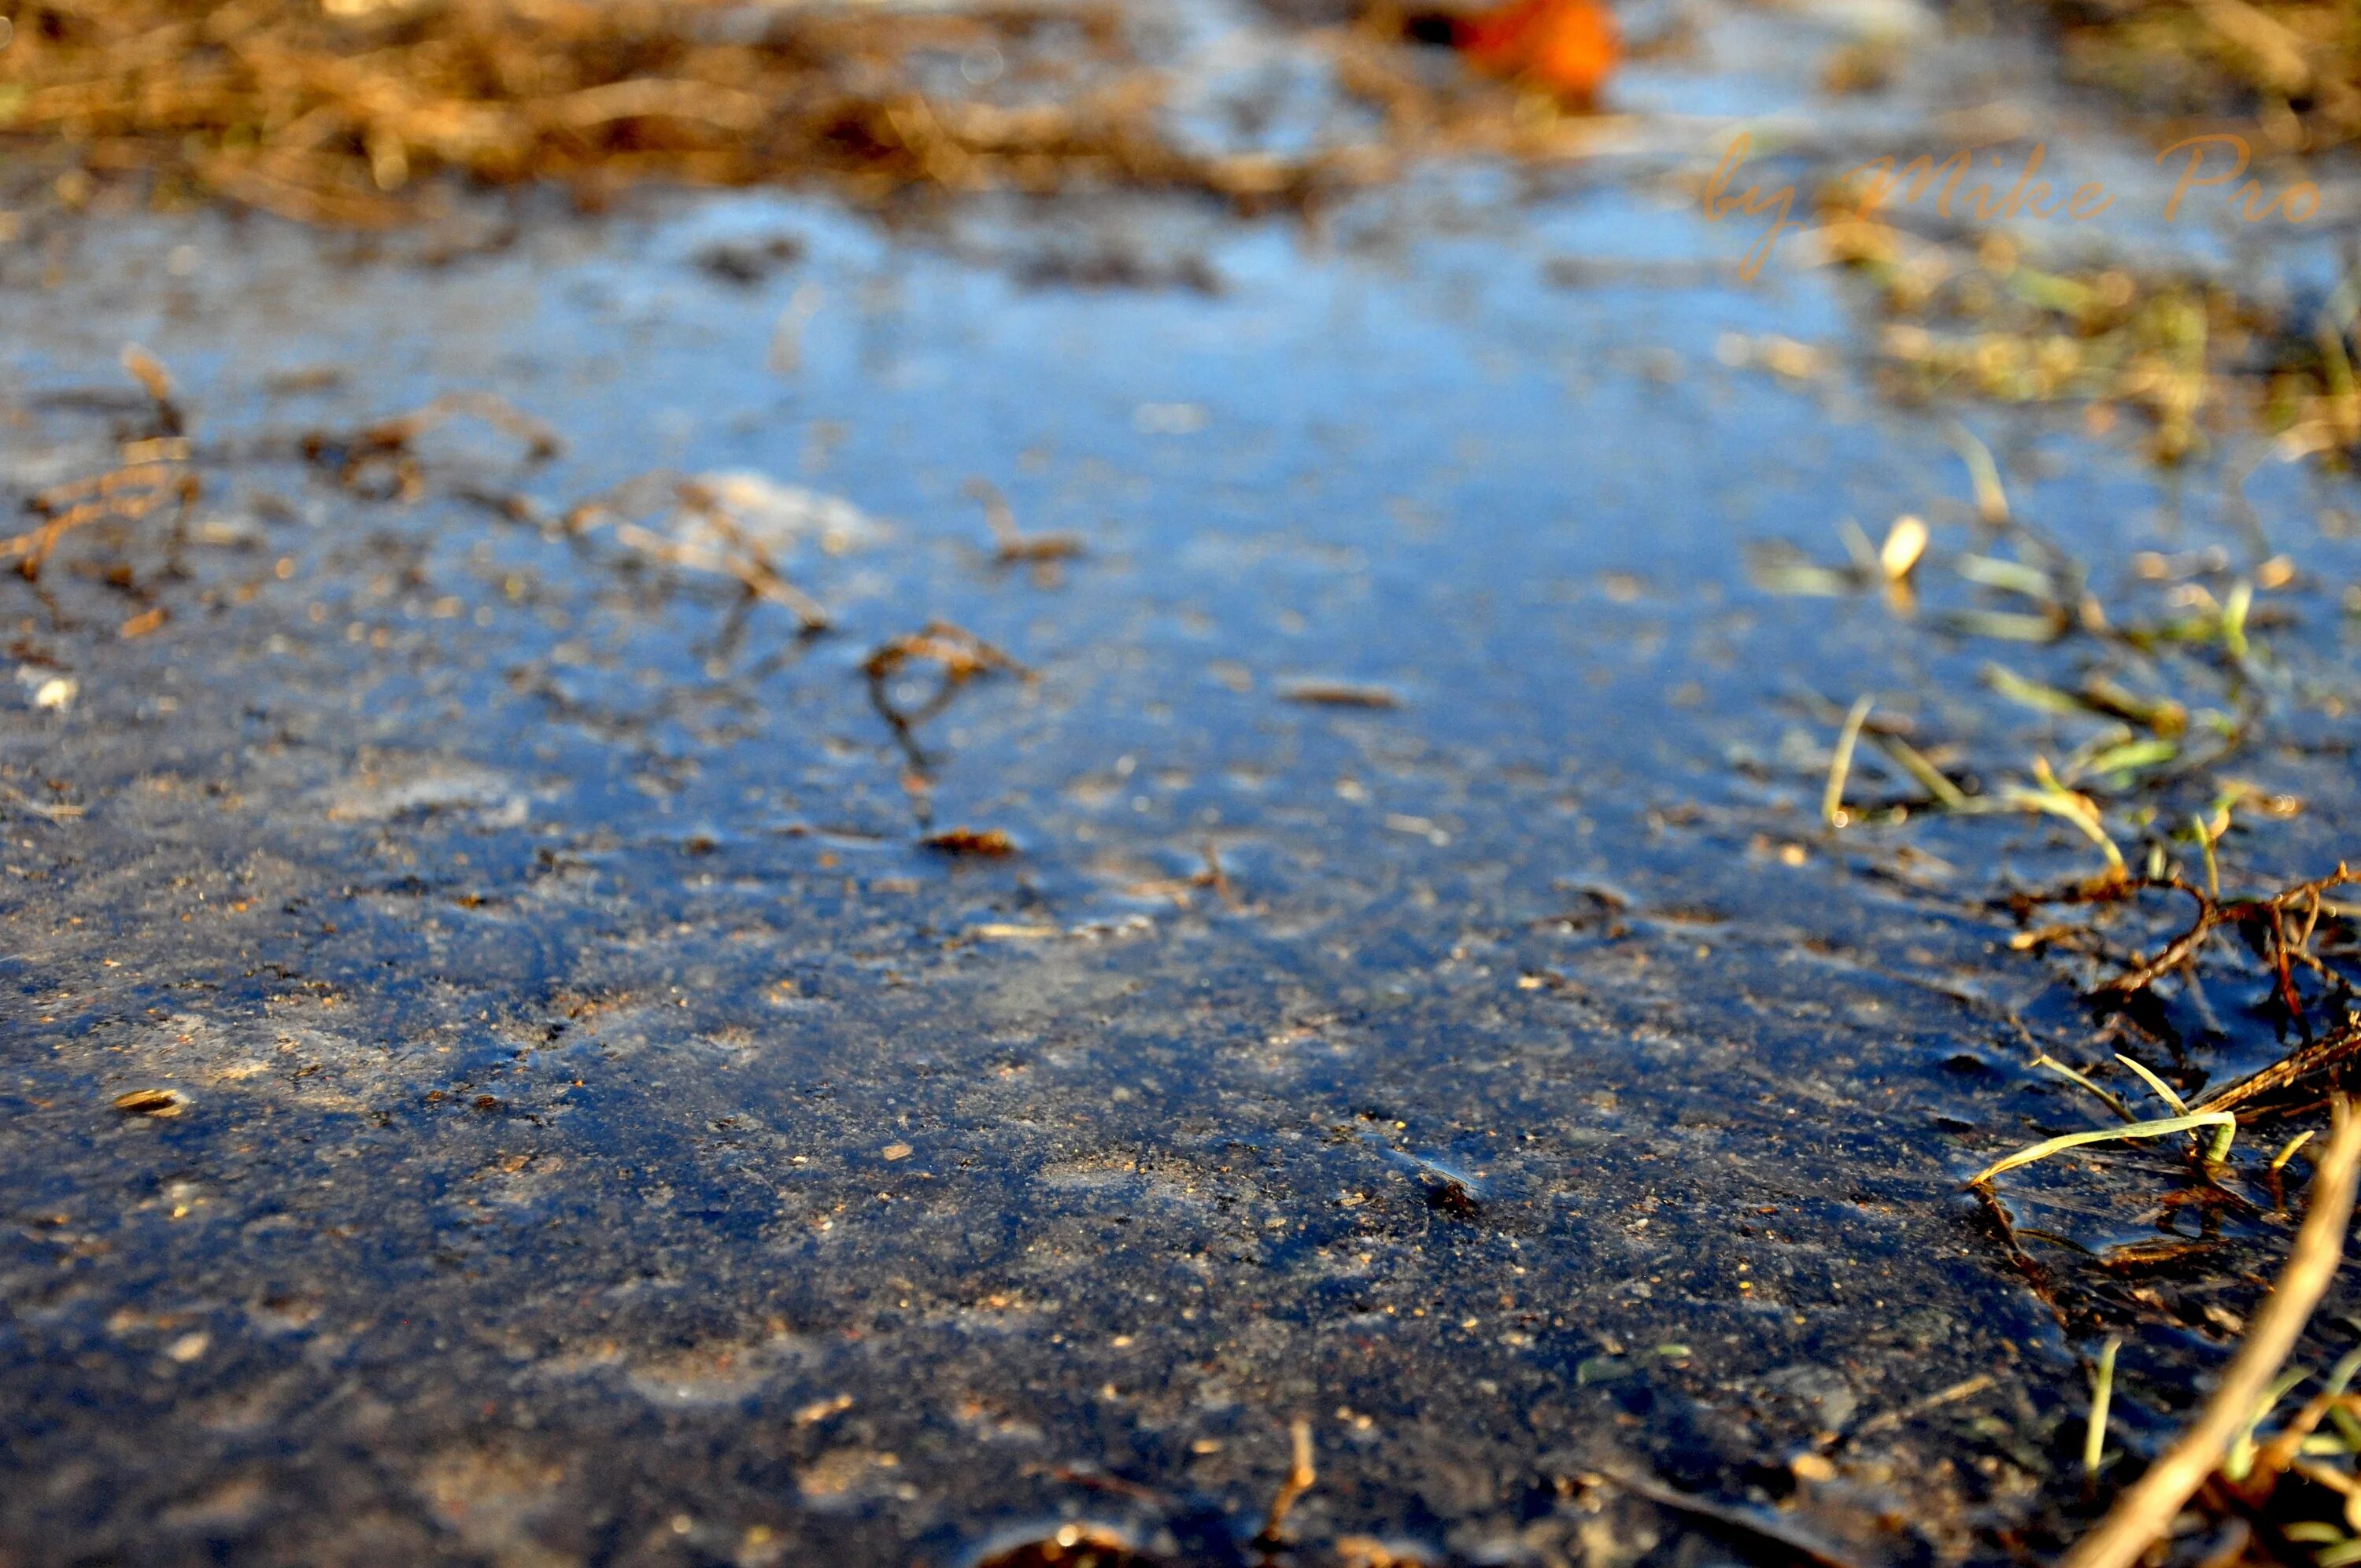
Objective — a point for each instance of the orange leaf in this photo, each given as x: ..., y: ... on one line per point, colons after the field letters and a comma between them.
x: 1570, y: 46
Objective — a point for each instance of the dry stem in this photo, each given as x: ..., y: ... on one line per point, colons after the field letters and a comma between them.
x: 2142, y: 1513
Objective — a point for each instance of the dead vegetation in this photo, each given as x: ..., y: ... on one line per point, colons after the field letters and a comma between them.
x: 959, y: 655
x: 1011, y: 545
x: 1318, y: 693
x: 2218, y: 1001
x: 383, y: 459
x: 2148, y: 940
x: 2265, y: 923
x: 2297, y: 64
x: 981, y: 843
x: 347, y: 112
x: 2272, y: 1489
x: 685, y: 521
x: 2187, y: 357
x: 2169, y: 695
x: 340, y: 112
x: 122, y: 496
x: 734, y: 526
x: 2144, y: 744
x: 2293, y: 942
x: 2227, y: 995
x: 2219, y: 1450
x: 2278, y: 931
x: 153, y: 479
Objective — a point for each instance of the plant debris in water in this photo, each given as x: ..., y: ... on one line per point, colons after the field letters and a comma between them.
x: 2296, y: 63
x: 2144, y: 696
x: 333, y: 113
x: 341, y: 111
x: 2186, y: 356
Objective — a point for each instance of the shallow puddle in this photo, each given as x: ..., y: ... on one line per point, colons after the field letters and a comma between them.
x: 525, y: 1054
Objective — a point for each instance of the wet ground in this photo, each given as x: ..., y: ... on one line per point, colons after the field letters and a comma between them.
x: 576, y: 1115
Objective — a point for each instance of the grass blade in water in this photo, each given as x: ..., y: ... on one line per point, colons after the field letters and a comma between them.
x: 2222, y: 1119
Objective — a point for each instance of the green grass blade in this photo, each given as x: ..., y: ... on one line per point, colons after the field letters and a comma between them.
x: 2060, y: 1068
x: 2043, y: 1150
x: 2164, y: 1090
x: 2102, y: 1392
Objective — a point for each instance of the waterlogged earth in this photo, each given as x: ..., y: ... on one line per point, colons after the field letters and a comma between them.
x: 495, y: 1073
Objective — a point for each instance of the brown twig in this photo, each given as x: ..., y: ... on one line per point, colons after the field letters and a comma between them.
x: 156, y: 382
x: 1012, y: 545
x: 1301, y: 1478
x: 987, y: 843
x: 60, y: 812
x: 2297, y: 1083
x: 2213, y: 913
x: 2144, y: 1512
x: 1338, y: 694
x: 748, y: 561
x: 392, y: 442
x: 741, y: 555
x: 122, y: 495
x: 1217, y: 878
x: 963, y: 656
x: 2004, y: 1225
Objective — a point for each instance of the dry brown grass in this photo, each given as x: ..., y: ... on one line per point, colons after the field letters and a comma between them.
x: 2299, y: 62
x: 2190, y: 355
x: 341, y: 109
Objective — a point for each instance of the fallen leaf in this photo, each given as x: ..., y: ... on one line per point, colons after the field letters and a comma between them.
x: 1570, y: 46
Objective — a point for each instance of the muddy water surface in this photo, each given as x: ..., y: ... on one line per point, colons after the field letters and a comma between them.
x: 1421, y: 997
